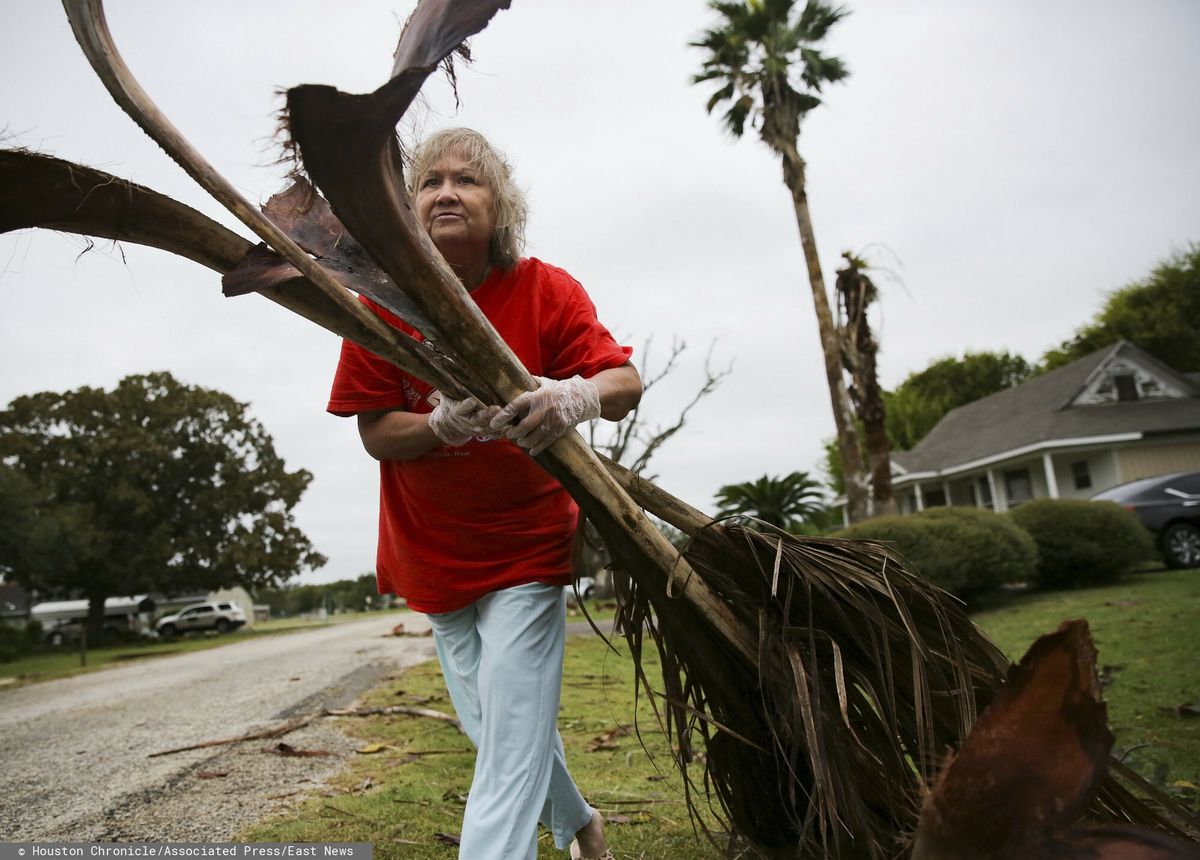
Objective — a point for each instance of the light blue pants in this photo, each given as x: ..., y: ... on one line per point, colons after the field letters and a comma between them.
x: 502, y: 658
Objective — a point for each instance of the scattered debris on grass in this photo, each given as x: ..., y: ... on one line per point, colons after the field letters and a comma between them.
x: 608, y: 740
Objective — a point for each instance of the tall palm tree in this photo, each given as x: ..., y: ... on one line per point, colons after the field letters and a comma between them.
x: 770, y: 71
x: 855, y: 294
x: 781, y: 502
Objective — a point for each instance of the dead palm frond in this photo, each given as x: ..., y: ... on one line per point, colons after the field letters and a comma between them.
x: 818, y: 679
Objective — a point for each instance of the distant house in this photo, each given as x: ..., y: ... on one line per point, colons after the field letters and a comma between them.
x: 1110, y: 417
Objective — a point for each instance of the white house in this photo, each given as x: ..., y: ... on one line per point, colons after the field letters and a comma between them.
x: 1110, y: 417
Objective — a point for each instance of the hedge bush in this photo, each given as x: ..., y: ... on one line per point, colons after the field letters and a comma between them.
x: 1082, y: 543
x: 966, y: 551
x: 17, y: 641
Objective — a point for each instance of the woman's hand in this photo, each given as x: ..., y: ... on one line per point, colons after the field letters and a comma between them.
x: 457, y: 422
x: 547, y: 413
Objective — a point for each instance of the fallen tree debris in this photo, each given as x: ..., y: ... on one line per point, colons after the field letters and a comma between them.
x: 277, y: 731
x: 428, y: 713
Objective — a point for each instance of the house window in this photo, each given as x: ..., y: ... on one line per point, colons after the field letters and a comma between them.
x: 984, y: 490
x: 935, y: 498
x: 1127, y: 388
x: 1017, y: 485
x: 1083, y: 477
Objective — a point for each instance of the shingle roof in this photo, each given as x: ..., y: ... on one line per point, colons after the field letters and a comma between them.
x: 1036, y: 412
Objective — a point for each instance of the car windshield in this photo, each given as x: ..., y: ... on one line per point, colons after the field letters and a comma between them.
x: 1142, y: 488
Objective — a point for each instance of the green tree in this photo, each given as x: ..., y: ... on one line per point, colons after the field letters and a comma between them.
x: 920, y: 401
x: 770, y: 71
x: 782, y: 502
x: 1160, y: 314
x: 153, y: 486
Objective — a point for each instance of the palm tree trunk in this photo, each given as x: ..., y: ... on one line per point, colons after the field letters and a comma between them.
x: 878, y: 451
x: 843, y: 412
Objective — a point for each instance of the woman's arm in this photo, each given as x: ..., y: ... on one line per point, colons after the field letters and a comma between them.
x: 620, y: 391
x: 394, y: 434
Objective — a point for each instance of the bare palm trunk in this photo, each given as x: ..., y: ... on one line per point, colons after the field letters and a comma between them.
x: 878, y: 448
x: 860, y: 352
x: 843, y: 413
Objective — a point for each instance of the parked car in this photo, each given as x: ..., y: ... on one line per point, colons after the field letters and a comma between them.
x: 1168, y: 505
x: 69, y: 632
x: 587, y: 589
x: 221, y: 617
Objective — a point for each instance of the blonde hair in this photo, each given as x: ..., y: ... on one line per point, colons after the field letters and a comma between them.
x: 511, y: 210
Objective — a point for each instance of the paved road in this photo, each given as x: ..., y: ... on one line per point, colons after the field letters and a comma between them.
x: 73, y: 752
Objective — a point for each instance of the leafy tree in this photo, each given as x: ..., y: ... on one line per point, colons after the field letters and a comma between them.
x: 782, y: 502
x: 344, y: 595
x: 920, y: 401
x: 153, y: 486
x: 765, y: 58
x: 1160, y: 314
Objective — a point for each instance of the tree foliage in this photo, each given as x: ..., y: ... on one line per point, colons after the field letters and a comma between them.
x: 1160, y: 314
x: 920, y: 401
x: 344, y: 595
x: 152, y: 486
x: 768, y: 64
x: 782, y: 502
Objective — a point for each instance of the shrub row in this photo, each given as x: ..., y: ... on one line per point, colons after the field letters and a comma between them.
x: 966, y: 551
x: 17, y: 641
x: 1050, y: 543
x: 1083, y: 543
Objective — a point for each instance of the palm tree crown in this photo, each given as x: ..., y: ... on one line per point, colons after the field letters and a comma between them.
x: 778, y: 501
x: 765, y: 57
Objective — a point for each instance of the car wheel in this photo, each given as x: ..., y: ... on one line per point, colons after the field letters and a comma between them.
x: 167, y: 631
x: 589, y: 592
x: 1181, y: 545
x: 223, y: 625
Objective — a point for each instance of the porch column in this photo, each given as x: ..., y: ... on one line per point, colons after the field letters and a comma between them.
x: 920, y: 498
x: 999, y: 503
x: 1051, y: 481
x: 946, y: 493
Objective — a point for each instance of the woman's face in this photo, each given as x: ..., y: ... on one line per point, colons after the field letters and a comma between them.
x: 457, y: 209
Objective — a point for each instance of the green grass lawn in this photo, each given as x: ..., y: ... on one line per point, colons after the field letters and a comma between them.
x: 1147, y: 635
x: 404, y: 795
x: 60, y: 662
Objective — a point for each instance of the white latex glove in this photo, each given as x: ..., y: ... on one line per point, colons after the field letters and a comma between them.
x: 547, y: 413
x: 457, y: 422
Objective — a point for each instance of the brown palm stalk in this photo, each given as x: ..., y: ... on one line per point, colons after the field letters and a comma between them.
x: 819, y: 679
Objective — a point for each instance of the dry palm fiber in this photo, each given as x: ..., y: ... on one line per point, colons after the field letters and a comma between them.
x: 743, y: 648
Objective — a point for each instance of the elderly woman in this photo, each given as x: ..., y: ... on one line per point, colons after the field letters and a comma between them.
x: 472, y: 531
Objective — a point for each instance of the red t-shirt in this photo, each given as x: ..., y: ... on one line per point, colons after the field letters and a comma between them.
x: 459, y: 522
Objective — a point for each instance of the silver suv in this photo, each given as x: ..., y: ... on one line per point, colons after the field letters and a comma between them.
x: 221, y: 617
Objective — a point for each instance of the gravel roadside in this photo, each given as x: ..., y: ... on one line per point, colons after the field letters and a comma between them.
x: 75, y: 751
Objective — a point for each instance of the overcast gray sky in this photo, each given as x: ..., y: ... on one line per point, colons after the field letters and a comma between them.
x: 1011, y: 162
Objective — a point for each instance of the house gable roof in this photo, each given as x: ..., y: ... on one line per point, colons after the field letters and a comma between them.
x: 1076, y: 401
